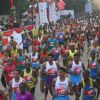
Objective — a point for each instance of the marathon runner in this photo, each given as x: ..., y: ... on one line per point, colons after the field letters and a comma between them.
x: 62, y: 86
x: 75, y: 70
x: 50, y: 70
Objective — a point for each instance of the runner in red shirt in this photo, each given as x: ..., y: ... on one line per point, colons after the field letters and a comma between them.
x: 8, y: 71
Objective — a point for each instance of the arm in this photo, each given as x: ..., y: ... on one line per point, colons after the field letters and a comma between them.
x: 43, y: 69
x: 34, y: 73
x: 88, y: 64
x: 22, y: 74
x: 53, y: 87
x: 10, y: 90
x: 83, y: 66
x: 70, y: 89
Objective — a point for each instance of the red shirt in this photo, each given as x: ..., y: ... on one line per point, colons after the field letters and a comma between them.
x: 36, y: 43
x: 9, y: 71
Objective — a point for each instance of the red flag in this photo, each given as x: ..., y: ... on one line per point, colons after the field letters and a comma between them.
x: 49, y: 1
x: 61, y: 5
x: 8, y: 33
x: 5, y: 41
x: 11, y: 3
x: 30, y: 28
x: 18, y: 30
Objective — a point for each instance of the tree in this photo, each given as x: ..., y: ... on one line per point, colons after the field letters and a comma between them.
x: 77, y: 5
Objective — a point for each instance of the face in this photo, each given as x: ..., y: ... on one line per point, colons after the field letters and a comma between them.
x: 62, y: 74
x: 76, y: 58
x: 72, y: 47
x: 16, y: 74
x: 92, y: 55
x: 85, y: 76
x: 50, y: 58
x: 10, y: 62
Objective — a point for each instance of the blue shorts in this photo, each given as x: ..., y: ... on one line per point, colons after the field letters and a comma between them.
x: 61, y: 97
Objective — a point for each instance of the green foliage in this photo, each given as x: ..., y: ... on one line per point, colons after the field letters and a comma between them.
x: 21, y: 6
x: 77, y: 5
x: 4, y: 7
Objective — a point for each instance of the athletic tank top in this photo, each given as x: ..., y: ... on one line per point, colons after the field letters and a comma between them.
x: 77, y: 68
x: 15, y: 85
x: 92, y: 64
x: 34, y: 57
x: 51, y: 69
x: 29, y: 78
x: 61, y: 86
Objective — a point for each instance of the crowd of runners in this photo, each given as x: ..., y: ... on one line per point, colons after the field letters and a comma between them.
x: 55, y: 55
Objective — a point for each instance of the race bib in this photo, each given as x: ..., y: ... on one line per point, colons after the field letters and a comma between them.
x: 22, y: 62
x: 61, y: 91
x: 89, y: 93
x: 24, y: 41
x: 56, y: 51
x: 28, y: 78
x: 61, y: 37
x: 77, y: 70
x: 93, y: 66
x: 52, y: 71
x: 51, y: 44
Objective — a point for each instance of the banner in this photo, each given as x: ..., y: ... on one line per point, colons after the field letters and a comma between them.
x: 61, y: 4
x: 52, y: 12
x: 89, y: 7
x: 43, y: 13
x: 17, y: 34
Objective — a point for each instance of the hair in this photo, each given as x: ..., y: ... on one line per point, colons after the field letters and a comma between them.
x: 76, y: 54
x: 62, y: 69
x: 50, y: 55
x: 85, y: 71
x: 93, y: 52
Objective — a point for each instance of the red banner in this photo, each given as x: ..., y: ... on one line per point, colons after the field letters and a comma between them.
x: 18, y: 30
x: 61, y: 5
x: 8, y: 32
x: 5, y: 41
x: 11, y: 3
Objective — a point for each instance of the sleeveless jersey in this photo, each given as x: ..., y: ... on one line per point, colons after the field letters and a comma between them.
x: 61, y: 86
x: 51, y: 69
x: 15, y: 85
x: 29, y: 78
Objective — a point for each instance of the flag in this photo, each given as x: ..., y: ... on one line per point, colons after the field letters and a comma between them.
x: 11, y: 3
x: 61, y: 5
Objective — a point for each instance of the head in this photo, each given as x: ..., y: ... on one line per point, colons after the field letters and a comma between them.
x: 10, y: 61
x: 50, y: 57
x: 11, y: 38
x: 72, y: 47
x: 86, y: 75
x: 17, y: 74
x: 62, y: 72
x: 76, y: 57
x: 20, y: 51
x: 28, y: 64
x: 22, y: 87
x: 92, y: 54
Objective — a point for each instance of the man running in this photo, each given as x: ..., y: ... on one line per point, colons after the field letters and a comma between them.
x: 50, y: 70
x: 88, y: 86
x: 30, y: 77
x: 62, y: 86
x: 75, y: 70
x: 22, y: 94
